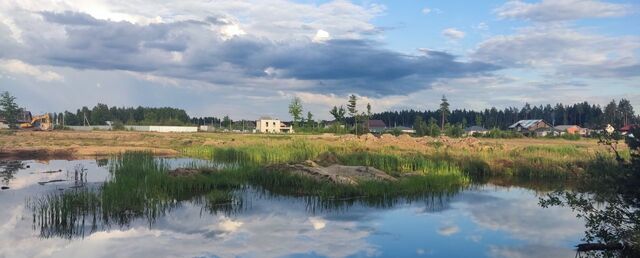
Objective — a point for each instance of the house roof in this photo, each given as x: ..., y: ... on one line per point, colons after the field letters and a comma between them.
x: 627, y: 128
x: 376, y: 124
x: 565, y: 127
x: 526, y: 123
x: 475, y: 128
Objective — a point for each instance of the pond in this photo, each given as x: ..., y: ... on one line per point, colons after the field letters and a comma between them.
x: 482, y: 220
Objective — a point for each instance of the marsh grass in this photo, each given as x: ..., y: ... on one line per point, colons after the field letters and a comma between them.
x: 552, y: 161
x: 141, y: 187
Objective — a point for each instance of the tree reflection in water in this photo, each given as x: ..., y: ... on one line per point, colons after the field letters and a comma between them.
x: 8, y: 169
x: 140, y: 188
x: 608, y: 199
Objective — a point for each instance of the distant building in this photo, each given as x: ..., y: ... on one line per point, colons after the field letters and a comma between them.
x: 271, y: 125
x: 537, y: 127
x: 572, y: 129
x: 206, y: 128
x: 3, y: 124
x: 625, y: 129
x: 376, y: 126
x: 475, y: 129
x: 404, y: 129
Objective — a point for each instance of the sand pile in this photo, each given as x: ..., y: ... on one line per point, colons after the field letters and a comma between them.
x: 338, y: 174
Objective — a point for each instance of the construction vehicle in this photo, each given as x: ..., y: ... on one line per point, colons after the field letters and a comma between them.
x: 41, y: 123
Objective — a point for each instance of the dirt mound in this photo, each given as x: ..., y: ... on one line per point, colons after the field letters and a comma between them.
x: 387, y: 136
x: 405, y: 137
x: 338, y: 174
x: 369, y: 137
x: 184, y: 172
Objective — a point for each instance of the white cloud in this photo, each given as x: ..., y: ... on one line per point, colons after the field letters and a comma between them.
x: 19, y: 67
x: 321, y: 36
x: 448, y: 230
x: 453, y: 33
x: 229, y: 225
x: 481, y: 26
x: 426, y: 10
x: 563, y: 49
x: 230, y: 31
x: 558, y: 10
x: 317, y: 223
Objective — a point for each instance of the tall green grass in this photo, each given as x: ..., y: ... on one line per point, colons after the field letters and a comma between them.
x: 536, y: 161
x: 260, y: 154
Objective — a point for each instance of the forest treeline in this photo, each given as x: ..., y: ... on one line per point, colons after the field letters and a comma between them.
x: 583, y: 114
x: 617, y: 113
x: 99, y: 114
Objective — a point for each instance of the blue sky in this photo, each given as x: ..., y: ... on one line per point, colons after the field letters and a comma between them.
x: 249, y: 58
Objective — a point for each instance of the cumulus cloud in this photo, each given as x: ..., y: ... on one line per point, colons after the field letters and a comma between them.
x: 18, y: 67
x: 563, y: 49
x: 426, y: 10
x: 448, y: 230
x: 453, y: 33
x: 321, y: 36
x: 560, y: 10
x: 226, y: 54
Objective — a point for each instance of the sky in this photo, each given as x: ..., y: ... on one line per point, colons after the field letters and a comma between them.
x: 248, y: 59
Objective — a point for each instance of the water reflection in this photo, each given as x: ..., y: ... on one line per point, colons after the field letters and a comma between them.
x: 8, y: 168
x: 156, y: 218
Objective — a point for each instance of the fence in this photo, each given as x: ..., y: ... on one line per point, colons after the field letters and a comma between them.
x: 140, y: 128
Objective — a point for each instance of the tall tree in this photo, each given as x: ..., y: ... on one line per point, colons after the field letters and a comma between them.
x: 338, y: 114
x: 310, y: 118
x: 610, y: 112
x: 444, y: 110
x: 626, y: 111
x: 368, y: 115
x: 226, y: 122
x: 353, y: 111
x: 295, y: 109
x: 9, y: 108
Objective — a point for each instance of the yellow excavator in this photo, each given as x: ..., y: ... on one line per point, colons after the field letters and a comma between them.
x: 41, y: 123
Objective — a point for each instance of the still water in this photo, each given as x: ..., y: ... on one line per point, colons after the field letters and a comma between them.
x: 483, y: 221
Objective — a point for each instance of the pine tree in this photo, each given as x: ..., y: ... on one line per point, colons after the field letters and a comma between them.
x: 444, y: 110
x: 353, y: 111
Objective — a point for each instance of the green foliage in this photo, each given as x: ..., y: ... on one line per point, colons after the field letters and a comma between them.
x: 420, y: 126
x: 566, y: 136
x: 584, y: 114
x: 455, y: 131
x: 117, y: 126
x: 295, y: 109
x: 500, y: 134
x: 101, y: 113
x: 8, y: 108
x: 444, y: 110
x: 396, y: 131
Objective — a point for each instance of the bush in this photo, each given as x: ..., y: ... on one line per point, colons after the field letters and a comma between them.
x: 497, y: 133
x: 117, y: 126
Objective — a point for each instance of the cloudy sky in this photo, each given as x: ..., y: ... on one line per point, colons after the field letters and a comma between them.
x: 249, y: 58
